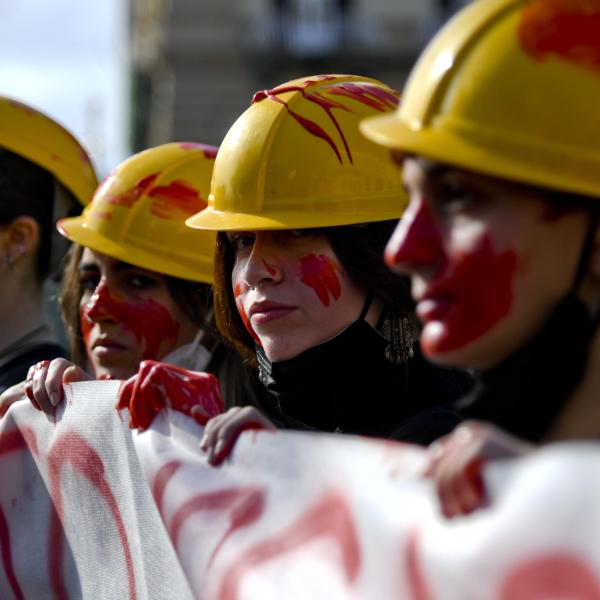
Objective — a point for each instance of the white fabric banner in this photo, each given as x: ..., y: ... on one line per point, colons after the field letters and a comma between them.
x: 89, y: 509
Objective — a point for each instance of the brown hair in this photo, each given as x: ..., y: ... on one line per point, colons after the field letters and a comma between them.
x: 359, y: 248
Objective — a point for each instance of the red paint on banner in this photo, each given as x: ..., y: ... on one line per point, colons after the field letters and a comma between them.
x: 151, y: 323
x: 367, y: 94
x: 237, y: 292
x: 7, y: 560
x: 70, y: 448
x: 243, y: 505
x: 11, y: 441
x: 319, y: 273
x: 129, y: 197
x: 330, y: 517
x: 553, y: 575
x: 568, y: 29
x: 161, y: 480
x: 416, y: 579
x: 176, y: 201
x: 477, y: 301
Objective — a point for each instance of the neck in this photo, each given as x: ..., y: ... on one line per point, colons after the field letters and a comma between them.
x: 20, y: 315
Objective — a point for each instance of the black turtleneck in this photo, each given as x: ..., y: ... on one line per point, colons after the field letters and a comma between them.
x: 346, y: 385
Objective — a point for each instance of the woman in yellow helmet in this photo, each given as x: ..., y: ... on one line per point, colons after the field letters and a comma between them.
x: 44, y: 175
x: 303, y: 206
x: 499, y: 139
x: 137, y: 286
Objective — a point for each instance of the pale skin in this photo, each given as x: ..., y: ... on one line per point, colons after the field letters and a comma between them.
x: 287, y: 310
x: 114, y: 297
x: 460, y: 226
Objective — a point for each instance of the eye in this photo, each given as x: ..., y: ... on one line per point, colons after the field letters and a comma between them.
x: 455, y: 196
x: 240, y: 240
x: 141, y: 282
x: 88, y: 281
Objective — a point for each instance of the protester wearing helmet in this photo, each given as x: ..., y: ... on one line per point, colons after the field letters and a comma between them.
x: 44, y: 175
x: 137, y: 286
x: 303, y: 205
x: 498, y: 135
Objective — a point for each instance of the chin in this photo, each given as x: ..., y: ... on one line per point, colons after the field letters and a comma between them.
x: 278, y: 350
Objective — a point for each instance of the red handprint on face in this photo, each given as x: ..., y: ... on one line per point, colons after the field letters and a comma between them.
x: 157, y: 385
x: 319, y: 273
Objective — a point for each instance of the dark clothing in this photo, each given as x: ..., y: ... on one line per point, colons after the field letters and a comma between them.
x: 526, y: 393
x: 347, y: 385
x: 14, y: 368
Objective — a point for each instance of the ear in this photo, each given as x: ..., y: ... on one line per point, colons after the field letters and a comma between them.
x: 22, y: 237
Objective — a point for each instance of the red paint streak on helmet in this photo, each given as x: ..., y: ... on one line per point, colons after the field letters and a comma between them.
x: 319, y: 273
x: 209, y: 151
x: 55, y: 157
x: 129, y: 197
x: 371, y: 95
x: 237, y: 292
x: 365, y: 93
x: 104, y: 215
x: 175, y: 201
x: 553, y: 575
x: 569, y: 29
x: 478, y: 300
x: 329, y: 517
x: 150, y: 322
x: 243, y: 505
x: 71, y: 448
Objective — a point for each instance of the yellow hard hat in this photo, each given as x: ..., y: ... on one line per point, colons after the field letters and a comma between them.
x: 295, y: 159
x: 511, y: 89
x: 41, y: 140
x: 138, y: 213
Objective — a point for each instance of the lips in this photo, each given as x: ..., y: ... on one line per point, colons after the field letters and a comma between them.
x: 265, y: 311
x: 107, y: 346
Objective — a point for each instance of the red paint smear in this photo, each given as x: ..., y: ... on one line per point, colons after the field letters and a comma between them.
x: 367, y: 94
x: 71, y: 448
x: 480, y: 285
x: 175, y: 201
x: 151, y: 323
x: 161, y: 480
x: 319, y: 273
x: 329, y: 517
x: 269, y: 268
x: 417, y: 582
x: 129, y: 197
x: 209, y: 151
x: 245, y: 320
x: 245, y: 506
x: 569, y: 29
x: 7, y: 560
x: 554, y: 575
x: 12, y: 441
x: 420, y: 243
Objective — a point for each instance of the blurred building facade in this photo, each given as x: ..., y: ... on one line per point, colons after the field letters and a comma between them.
x: 197, y: 63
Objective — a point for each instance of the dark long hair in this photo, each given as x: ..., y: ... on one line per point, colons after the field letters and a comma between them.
x: 359, y: 248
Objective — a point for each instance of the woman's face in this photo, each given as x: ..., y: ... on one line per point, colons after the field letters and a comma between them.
x: 488, y: 261
x: 290, y: 290
x: 127, y: 315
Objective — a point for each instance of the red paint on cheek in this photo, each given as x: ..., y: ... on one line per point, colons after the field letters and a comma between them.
x: 319, y: 273
x: 269, y: 268
x: 237, y: 292
x: 478, y: 288
x: 568, y: 29
x: 150, y: 322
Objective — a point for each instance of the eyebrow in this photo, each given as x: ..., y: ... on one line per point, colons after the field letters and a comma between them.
x: 118, y: 266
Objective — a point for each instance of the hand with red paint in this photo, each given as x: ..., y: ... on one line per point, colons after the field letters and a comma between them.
x: 158, y: 385
x: 222, y: 432
x: 45, y: 380
x: 456, y: 463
